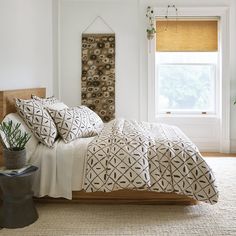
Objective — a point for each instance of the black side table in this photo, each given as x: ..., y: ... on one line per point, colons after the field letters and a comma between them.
x: 18, y: 209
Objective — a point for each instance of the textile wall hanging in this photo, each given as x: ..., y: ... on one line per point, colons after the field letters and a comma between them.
x: 98, y: 74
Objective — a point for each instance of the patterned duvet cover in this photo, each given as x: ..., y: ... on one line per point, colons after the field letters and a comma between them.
x: 147, y: 156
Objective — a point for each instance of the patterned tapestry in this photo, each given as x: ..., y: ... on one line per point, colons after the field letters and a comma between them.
x: 98, y: 74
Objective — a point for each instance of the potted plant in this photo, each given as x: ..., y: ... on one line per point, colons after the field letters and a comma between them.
x: 150, y: 33
x: 13, y: 141
x: 151, y: 19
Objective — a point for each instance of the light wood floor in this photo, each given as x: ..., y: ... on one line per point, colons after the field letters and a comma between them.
x: 218, y: 154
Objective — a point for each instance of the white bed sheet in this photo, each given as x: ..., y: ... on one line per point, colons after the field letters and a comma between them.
x: 61, y: 169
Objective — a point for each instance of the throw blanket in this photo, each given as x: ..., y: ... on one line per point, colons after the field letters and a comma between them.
x: 145, y: 156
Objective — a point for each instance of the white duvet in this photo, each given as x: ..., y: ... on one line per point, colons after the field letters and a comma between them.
x: 61, y: 169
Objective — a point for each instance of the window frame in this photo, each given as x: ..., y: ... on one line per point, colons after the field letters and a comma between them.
x: 188, y: 112
x: 224, y: 71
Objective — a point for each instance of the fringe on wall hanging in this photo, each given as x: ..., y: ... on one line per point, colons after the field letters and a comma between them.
x: 98, y: 72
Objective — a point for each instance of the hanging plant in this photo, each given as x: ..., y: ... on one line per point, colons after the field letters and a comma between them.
x: 151, y: 20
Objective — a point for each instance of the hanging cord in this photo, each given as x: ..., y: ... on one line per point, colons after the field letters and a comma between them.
x: 167, y: 15
x: 94, y: 20
x: 176, y: 18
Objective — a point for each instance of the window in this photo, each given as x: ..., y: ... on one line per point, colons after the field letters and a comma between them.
x: 210, y: 47
x: 186, y: 69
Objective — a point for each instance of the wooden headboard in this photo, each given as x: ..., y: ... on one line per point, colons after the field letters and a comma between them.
x: 7, y: 102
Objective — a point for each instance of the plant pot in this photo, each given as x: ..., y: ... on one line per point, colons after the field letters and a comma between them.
x: 150, y: 36
x: 14, y: 159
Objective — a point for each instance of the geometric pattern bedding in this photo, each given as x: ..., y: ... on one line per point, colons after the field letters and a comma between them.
x: 45, y: 101
x: 38, y: 120
x: 50, y: 102
x: 76, y: 122
x: 144, y: 156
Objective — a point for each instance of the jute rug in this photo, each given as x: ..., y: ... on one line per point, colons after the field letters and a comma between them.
x: 73, y: 219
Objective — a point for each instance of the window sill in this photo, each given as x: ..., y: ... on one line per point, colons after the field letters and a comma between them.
x: 183, y: 119
x: 187, y: 116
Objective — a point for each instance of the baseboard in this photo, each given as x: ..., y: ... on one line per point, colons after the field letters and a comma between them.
x: 233, y: 145
x: 218, y: 154
x: 207, y: 146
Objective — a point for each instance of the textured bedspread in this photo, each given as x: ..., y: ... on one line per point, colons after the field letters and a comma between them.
x: 145, y: 156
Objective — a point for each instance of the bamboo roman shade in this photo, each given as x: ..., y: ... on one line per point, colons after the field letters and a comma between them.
x: 187, y: 35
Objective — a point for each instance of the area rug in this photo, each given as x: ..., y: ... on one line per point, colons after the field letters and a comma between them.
x: 56, y: 219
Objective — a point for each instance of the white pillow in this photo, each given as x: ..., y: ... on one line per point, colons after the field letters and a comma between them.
x: 38, y: 120
x: 33, y: 142
x: 76, y: 122
x: 50, y: 102
x: 45, y: 101
x: 57, y: 106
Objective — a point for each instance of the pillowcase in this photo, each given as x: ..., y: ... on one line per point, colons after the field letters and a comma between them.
x: 77, y: 122
x: 50, y: 102
x: 33, y: 142
x: 38, y: 120
x: 45, y: 101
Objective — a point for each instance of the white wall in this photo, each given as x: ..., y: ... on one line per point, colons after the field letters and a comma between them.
x: 233, y: 75
x: 204, y: 133
x: 75, y: 16
x: 26, y: 44
x: 127, y: 18
x: 34, y: 52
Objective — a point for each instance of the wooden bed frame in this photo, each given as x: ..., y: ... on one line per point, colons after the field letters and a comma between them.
x: 7, y: 105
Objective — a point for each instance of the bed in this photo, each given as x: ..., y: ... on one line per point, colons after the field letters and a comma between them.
x: 119, y: 196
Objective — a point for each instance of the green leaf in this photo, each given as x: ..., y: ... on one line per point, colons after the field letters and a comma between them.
x: 13, y: 136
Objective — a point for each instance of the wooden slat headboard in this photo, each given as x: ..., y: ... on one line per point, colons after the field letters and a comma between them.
x: 7, y: 102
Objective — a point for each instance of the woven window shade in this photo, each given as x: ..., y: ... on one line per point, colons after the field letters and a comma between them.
x: 187, y: 36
